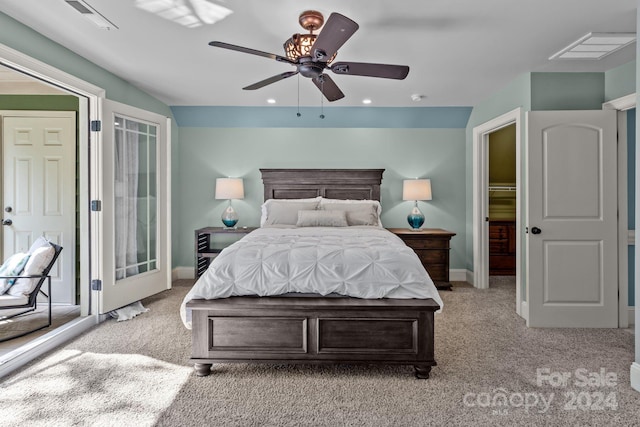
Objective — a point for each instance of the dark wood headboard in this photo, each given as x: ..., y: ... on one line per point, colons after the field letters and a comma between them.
x: 355, y: 184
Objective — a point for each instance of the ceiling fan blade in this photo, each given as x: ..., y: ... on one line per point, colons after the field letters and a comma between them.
x: 270, y: 80
x: 251, y: 51
x: 385, y: 71
x: 335, y: 32
x: 328, y: 87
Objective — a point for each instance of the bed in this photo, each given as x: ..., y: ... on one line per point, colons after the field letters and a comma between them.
x: 316, y: 327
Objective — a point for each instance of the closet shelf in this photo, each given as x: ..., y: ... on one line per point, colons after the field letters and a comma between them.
x: 501, y: 188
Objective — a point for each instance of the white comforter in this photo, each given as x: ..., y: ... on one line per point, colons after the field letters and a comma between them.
x: 363, y: 262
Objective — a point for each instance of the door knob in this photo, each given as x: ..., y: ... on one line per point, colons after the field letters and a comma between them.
x: 535, y: 230
x: 7, y: 222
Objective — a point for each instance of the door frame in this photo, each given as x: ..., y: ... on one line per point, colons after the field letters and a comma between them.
x: 481, y: 202
x: 89, y: 100
x: 625, y: 237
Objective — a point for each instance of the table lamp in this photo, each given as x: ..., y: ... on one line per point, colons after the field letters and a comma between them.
x: 416, y: 189
x: 229, y: 188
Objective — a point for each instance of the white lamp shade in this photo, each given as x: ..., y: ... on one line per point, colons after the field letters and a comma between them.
x: 229, y: 188
x: 416, y: 189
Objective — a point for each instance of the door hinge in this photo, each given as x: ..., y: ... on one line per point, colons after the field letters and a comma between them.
x: 96, y: 125
x: 96, y: 205
x: 96, y: 285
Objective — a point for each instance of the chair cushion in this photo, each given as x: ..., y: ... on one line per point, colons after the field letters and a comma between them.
x: 9, y: 300
x: 36, y: 264
x: 13, y: 266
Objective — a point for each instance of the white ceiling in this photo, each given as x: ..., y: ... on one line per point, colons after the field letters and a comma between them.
x: 459, y: 51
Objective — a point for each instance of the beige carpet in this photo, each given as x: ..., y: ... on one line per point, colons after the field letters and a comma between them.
x: 137, y: 373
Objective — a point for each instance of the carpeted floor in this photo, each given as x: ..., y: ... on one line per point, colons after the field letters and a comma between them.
x: 492, y: 370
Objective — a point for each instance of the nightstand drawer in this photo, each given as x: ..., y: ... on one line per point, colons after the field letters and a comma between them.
x: 422, y: 243
x: 431, y: 257
x: 438, y: 272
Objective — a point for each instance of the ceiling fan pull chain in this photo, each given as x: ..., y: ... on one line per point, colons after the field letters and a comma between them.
x: 321, y: 97
x: 298, y: 114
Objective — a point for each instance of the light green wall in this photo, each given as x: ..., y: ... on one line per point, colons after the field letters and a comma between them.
x: 25, y: 40
x: 620, y: 81
x: 208, y: 153
x: 567, y: 91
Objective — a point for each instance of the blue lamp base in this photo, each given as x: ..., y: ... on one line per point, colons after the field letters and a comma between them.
x: 229, y: 217
x: 415, y: 218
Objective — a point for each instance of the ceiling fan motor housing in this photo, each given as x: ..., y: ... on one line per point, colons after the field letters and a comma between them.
x: 310, y: 68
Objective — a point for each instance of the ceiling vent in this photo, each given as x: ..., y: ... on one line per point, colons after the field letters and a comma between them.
x: 595, y: 46
x: 91, y: 14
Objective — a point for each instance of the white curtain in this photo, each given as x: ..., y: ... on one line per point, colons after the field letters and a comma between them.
x: 126, y: 195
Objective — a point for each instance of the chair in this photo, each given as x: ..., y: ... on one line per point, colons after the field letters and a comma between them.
x: 32, y: 299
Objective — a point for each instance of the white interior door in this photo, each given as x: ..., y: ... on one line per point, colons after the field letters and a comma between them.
x: 135, y: 206
x: 39, y: 189
x: 572, y: 219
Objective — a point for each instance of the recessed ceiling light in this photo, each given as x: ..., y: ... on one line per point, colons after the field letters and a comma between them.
x: 595, y: 46
x: 271, y: 101
x: 366, y: 101
x: 416, y: 97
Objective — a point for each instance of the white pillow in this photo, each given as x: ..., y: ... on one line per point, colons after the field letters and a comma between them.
x: 322, y: 219
x: 36, y: 264
x: 356, y: 207
x: 267, y: 207
x: 40, y: 242
x: 13, y: 266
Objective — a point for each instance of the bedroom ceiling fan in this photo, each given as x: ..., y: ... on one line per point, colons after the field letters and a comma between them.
x: 312, y: 54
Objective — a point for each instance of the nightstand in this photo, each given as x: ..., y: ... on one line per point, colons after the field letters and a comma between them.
x: 432, y: 247
x: 207, y: 248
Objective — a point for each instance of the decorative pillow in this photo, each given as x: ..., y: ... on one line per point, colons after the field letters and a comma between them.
x: 285, y: 211
x: 36, y: 264
x: 13, y: 266
x: 40, y: 242
x: 265, y: 206
x: 359, y: 212
x: 322, y: 219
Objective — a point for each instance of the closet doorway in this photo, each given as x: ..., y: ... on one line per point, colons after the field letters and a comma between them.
x: 506, y: 196
x: 502, y: 205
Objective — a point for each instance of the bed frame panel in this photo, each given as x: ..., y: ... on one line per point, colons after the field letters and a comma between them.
x: 315, y: 329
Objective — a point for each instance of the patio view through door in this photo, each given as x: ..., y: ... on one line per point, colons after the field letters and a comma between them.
x: 134, y: 227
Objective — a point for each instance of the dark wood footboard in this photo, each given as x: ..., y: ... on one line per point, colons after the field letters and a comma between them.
x: 313, y: 330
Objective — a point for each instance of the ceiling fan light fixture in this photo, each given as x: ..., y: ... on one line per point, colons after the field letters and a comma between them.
x: 299, y: 45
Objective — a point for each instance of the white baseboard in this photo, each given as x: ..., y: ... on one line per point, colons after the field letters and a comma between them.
x: 183, y: 273
x: 459, y: 275
x: 524, y: 310
x: 470, y: 277
x: 632, y: 316
x: 37, y: 347
x: 635, y: 376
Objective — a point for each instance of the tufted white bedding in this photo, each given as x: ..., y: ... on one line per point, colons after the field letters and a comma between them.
x: 363, y: 262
